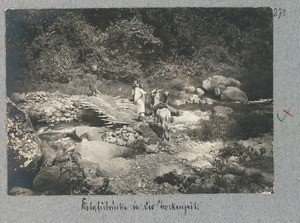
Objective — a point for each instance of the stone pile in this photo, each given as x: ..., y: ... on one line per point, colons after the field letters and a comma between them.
x: 124, y: 136
x: 228, y: 89
x: 191, y: 95
x: 51, y: 108
x: 38, y: 97
x: 55, y: 107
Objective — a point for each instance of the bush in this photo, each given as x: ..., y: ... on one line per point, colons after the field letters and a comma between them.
x: 177, y: 85
x: 127, y: 44
x: 62, y: 50
x: 238, y: 126
x: 66, y: 49
x: 214, y: 128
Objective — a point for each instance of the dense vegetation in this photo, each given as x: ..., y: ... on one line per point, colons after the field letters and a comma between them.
x: 154, y: 44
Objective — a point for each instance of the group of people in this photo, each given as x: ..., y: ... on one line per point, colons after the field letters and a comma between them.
x: 139, y: 98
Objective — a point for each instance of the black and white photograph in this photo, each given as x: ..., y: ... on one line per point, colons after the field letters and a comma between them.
x: 139, y: 101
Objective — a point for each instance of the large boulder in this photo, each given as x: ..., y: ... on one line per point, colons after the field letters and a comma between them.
x: 218, y: 80
x: 218, y: 83
x: 211, y: 82
x: 98, y: 151
x: 234, y: 94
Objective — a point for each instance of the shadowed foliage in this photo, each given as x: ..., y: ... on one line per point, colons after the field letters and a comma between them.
x: 153, y: 44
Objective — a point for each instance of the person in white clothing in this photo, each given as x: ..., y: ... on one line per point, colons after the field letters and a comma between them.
x: 134, y: 85
x: 139, y: 100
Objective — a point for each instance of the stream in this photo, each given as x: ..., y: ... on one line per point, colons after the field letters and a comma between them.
x: 133, y: 159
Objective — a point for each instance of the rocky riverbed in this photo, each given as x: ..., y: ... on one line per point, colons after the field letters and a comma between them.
x: 63, y: 144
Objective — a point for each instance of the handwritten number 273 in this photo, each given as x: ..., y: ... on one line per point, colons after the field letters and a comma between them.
x: 279, y: 12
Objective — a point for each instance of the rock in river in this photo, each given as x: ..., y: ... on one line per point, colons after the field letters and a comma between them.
x: 200, y: 92
x: 234, y: 94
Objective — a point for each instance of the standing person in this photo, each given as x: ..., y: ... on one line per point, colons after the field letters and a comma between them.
x: 134, y: 85
x: 92, y: 84
x: 139, y: 99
